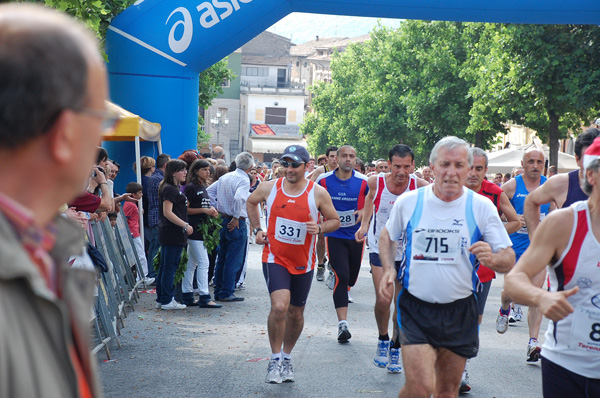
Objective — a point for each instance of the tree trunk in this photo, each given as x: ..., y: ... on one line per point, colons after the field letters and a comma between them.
x: 553, y: 135
x: 479, y: 139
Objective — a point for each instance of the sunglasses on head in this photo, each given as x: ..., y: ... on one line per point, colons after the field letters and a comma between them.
x: 293, y: 165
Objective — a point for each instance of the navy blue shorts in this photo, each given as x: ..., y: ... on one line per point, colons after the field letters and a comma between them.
x: 376, y: 261
x: 278, y: 277
x: 482, y: 296
x: 559, y: 382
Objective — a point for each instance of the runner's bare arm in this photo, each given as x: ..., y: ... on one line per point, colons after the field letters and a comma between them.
x: 387, y: 255
x: 513, y: 223
x: 554, y: 189
x: 325, y: 206
x: 260, y: 194
x: 510, y: 187
x: 316, y: 173
x: 501, y: 261
x: 421, y: 182
x: 547, y: 245
x: 368, y: 210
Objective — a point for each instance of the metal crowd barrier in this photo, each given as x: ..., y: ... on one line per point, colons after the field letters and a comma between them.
x: 118, y: 289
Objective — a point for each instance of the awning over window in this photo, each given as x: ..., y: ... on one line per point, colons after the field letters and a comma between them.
x: 279, y: 130
x: 271, y: 145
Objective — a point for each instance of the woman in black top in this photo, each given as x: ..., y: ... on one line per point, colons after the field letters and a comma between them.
x: 173, y: 231
x: 198, y: 211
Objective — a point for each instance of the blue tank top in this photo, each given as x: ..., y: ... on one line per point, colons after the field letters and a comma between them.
x: 574, y: 192
x: 347, y: 197
x: 520, y: 239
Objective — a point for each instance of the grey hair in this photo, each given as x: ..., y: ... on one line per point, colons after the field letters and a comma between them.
x: 44, y: 61
x: 450, y: 143
x: 244, y: 161
x: 480, y: 152
x: 585, y: 185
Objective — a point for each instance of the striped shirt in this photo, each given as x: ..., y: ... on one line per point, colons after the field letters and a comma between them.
x: 230, y: 193
x: 153, y: 199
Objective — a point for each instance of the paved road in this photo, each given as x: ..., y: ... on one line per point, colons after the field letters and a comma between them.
x: 222, y: 352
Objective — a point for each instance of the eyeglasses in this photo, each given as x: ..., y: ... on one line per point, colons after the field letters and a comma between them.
x: 293, y: 165
x: 109, y: 119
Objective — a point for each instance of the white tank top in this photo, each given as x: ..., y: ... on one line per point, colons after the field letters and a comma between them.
x: 382, y: 206
x: 574, y: 342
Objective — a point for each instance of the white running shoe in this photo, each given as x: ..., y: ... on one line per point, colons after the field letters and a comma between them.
x: 394, y: 365
x: 518, y: 313
x: 533, y: 351
x: 465, y: 387
x: 350, y: 299
x: 501, y: 323
x: 381, y: 355
x: 287, y: 371
x: 330, y: 280
x: 173, y: 305
x: 511, y: 316
x: 274, y: 372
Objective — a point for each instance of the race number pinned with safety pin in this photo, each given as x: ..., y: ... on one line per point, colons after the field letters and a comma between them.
x: 585, y: 330
x: 440, y: 245
x: 290, y: 231
x: 347, y: 218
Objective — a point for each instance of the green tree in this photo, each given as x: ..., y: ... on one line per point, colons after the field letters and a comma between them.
x: 545, y: 77
x: 407, y: 85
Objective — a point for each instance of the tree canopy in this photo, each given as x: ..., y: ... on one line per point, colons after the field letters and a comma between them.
x: 426, y: 80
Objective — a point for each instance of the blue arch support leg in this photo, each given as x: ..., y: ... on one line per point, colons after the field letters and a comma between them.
x: 157, y: 48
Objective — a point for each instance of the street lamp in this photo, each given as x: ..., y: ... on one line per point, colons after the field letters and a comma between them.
x: 217, y: 122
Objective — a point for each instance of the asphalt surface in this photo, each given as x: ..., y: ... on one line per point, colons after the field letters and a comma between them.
x: 200, y: 352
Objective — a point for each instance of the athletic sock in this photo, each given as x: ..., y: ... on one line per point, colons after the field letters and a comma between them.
x: 341, y: 322
x: 286, y: 355
x: 503, y: 311
x: 276, y: 356
x: 321, y: 265
x: 384, y: 337
x: 396, y: 343
x: 533, y: 340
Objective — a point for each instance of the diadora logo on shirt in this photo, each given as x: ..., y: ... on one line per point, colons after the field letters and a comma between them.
x: 584, y: 283
x: 291, y: 201
x: 596, y: 300
x: 457, y: 222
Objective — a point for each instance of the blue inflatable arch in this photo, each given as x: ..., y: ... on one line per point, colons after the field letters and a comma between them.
x: 157, y: 48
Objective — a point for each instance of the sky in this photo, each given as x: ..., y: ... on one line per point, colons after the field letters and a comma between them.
x: 303, y: 27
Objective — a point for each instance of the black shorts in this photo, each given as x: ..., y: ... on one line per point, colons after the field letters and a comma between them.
x: 452, y: 326
x: 482, y: 296
x: 559, y: 382
x: 376, y: 261
x: 278, y: 277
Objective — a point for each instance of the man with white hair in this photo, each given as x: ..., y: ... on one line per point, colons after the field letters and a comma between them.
x: 53, y: 97
x: 444, y: 228
x: 230, y: 193
x: 567, y: 240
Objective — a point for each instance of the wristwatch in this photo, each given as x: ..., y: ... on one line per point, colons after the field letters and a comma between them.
x: 255, y: 230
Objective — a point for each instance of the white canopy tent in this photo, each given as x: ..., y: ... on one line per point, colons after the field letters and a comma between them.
x: 505, y: 160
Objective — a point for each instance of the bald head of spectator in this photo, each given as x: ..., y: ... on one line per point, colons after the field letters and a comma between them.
x: 217, y: 152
